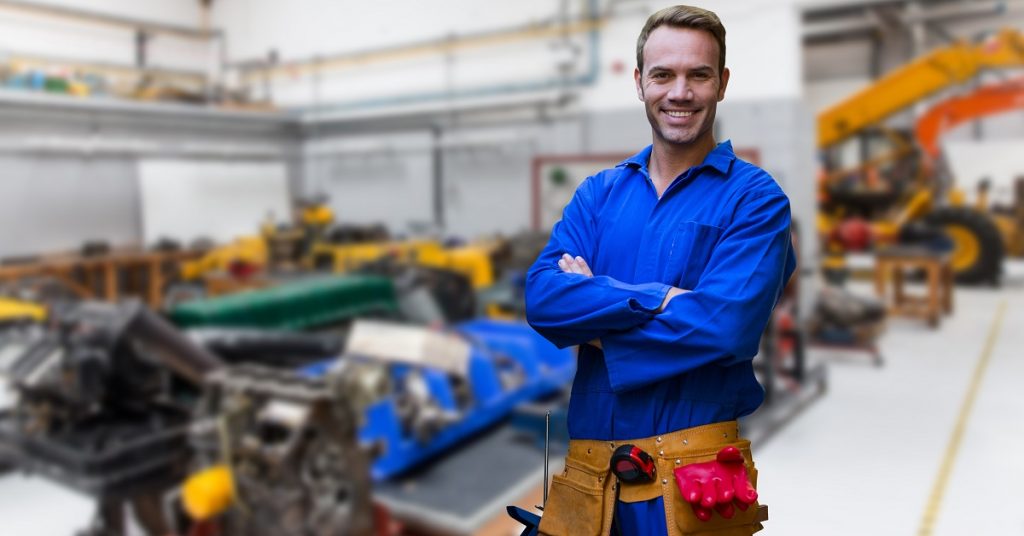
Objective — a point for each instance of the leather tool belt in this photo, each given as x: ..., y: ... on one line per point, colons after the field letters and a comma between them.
x: 582, y: 498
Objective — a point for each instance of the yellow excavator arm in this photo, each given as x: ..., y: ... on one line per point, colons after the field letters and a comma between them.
x: 942, y: 68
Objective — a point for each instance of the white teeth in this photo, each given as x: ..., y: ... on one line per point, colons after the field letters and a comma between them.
x: 679, y: 114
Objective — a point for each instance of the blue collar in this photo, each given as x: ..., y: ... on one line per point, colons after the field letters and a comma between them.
x: 719, y: 159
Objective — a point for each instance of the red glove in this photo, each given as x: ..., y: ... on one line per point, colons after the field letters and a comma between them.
x: 721, y: 484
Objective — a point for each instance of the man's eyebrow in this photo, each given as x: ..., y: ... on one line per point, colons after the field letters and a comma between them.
x: 700, y: 68
x: 658, y: 68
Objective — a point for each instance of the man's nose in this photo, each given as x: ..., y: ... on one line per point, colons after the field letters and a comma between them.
x: 681, y: 89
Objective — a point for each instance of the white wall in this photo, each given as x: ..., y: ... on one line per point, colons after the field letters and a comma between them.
x: 187, y: 200
x: 31, y: 33
x: 762, y: 47
x: 1000, y: 161
x: 763, y: 44
x: 374, y: 179
x: 306, y: 28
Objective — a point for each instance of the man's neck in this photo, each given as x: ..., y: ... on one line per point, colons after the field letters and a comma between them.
x: 668, y: 161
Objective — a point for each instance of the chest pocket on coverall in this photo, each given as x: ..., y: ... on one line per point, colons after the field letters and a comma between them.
x: 691, y: 249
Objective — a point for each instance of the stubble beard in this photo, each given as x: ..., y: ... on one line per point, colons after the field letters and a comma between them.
x: 675, y: 136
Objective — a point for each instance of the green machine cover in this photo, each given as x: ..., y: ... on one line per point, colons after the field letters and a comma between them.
x: 300, y: 305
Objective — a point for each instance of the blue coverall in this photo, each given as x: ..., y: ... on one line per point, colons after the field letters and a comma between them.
x: 721, y: 230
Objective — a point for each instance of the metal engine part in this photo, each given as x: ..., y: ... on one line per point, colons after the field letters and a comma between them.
x: 104, y: 396
x: 100, y: 359
x: 428, y: 295
x: 277, y: 348
x: 421, y: 415
x: 290, y: 442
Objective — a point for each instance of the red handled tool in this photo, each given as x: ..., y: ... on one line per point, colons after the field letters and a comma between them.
x: 632, y: 465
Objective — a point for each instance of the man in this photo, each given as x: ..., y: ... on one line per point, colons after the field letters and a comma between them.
x: 665, y: 270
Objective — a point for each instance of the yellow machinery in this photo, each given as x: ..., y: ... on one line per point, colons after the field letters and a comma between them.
x: 208, y: 493
x: 472, y: 261
x: 313, y: 244
x: 248, y: 250
x: 11, y: 310
x: 883, y: 195
x: 316, y: 214
x: 911, y: 83
x: 277, y: 245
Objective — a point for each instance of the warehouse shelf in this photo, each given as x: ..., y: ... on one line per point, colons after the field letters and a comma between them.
x: 57, y: 102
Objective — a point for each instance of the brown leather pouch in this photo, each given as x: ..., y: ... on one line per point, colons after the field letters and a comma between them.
x: 679, y: 513
x: 578, y: 501
x: 581, y: 500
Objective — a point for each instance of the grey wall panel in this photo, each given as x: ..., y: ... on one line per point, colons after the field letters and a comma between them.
x: 68, y: 166
x: 58, y: 202
x: 487, y: 190
x: 393, y: 188
x: 619, y: 131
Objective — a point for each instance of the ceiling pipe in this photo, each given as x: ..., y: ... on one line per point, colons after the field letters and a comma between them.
x: 254, y: 69
x: 592, y: 25
x: 184, y: 32
x: 860, y: 23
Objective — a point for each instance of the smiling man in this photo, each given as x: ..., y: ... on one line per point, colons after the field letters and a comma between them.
x: 664, y: 270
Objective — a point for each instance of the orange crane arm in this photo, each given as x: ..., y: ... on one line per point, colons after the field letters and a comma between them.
x: 917, y: 80
x: 985, y: 101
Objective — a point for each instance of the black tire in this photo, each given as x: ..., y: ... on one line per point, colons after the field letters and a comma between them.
x: 987, y: 265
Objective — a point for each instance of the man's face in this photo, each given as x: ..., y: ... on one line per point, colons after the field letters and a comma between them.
x: 681, y: 85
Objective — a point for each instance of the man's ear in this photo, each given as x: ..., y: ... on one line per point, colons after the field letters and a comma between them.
x: 639, y: 86
x: 725, y: 82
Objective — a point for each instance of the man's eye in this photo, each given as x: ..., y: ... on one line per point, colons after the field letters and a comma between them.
x: 659, y: 76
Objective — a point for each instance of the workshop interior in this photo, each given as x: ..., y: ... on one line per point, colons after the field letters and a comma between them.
x: 263, y: 264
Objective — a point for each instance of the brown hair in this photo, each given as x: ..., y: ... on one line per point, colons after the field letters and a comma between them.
x: 683, y: 17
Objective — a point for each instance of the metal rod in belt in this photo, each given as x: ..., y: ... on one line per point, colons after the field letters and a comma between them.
x: 547, y: 452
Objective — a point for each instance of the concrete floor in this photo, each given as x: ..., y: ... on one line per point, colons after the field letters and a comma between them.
x: 880, y: 453
x: 901, y: 450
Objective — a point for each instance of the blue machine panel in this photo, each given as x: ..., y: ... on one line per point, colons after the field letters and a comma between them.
x: 509, y: 364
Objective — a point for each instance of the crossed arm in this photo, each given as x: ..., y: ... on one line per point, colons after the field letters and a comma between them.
x: 652, y: 331
x: 577, y: 265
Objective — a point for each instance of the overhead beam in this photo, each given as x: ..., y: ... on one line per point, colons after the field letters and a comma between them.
x: 858, y: 20
x: 111, y: 20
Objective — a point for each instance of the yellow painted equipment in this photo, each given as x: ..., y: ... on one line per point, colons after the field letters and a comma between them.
x: 940, y: 69
x: 248, y: 249
x: 208, y: 493
x: 308, y: 244
x: 472, y: 261
x: 11, y: 309
x: 974, y: 233
x: 317, y: 215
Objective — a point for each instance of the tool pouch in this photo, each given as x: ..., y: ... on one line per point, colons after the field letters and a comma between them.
x: 679, y: 513
x: 580, y: 500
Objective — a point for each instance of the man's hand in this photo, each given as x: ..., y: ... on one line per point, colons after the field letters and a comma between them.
x: 721, y: 484
x: 574, y: 265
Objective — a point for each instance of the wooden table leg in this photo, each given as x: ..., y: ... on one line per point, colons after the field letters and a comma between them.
x: 934, y: 297
x: 897, y: 285
x: 155, y: 284
x: 880, y: 269
x: 947, y: 287
x: 110, y: 281
x: 80, y: 290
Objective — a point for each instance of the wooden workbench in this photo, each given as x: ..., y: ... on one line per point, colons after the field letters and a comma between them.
x: 107, y: 276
